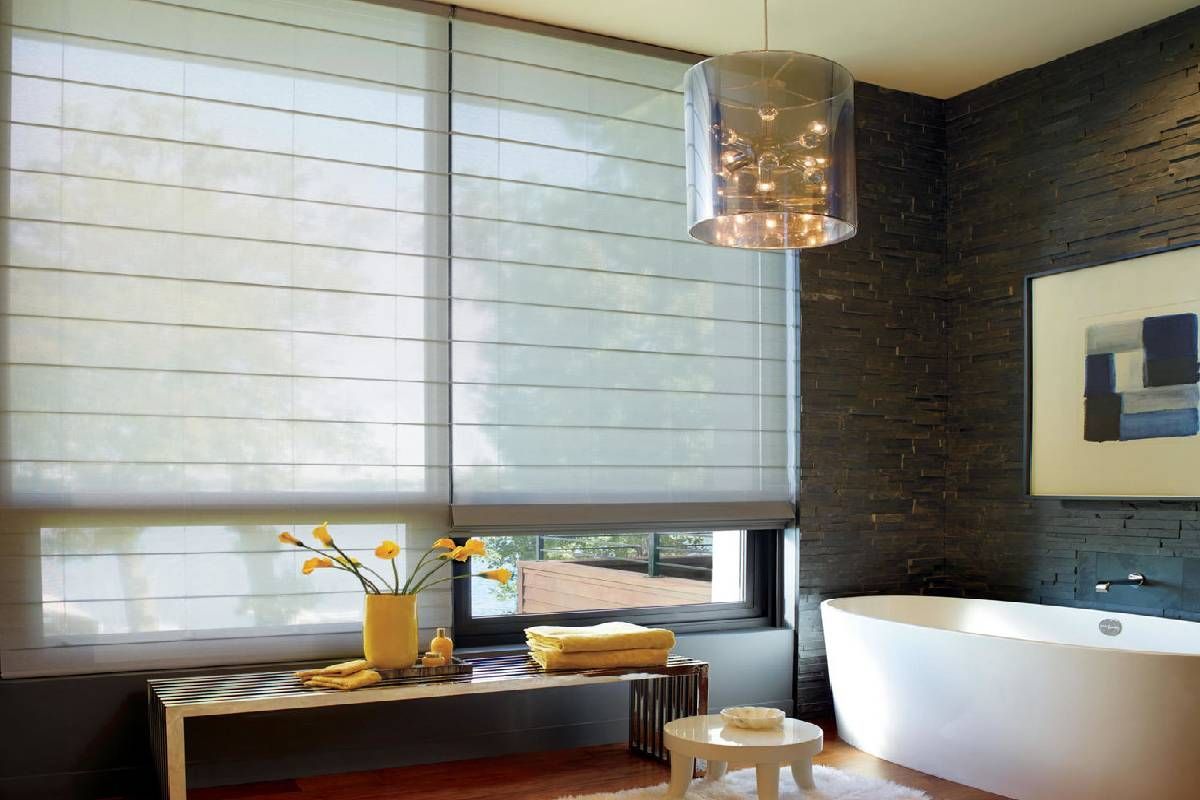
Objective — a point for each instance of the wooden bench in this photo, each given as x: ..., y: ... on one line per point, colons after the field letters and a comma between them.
x: 657, y: 696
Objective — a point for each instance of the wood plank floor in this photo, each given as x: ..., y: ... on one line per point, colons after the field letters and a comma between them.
x: 545, y: 776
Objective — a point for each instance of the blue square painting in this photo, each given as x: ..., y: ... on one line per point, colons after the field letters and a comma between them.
x: 1142, y: 380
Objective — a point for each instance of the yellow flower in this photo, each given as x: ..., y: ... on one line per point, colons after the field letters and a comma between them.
x: 473, y: 547
x: 346, y: 562
x: 315, y: 563
x: 321, y: 534
x: 443, y: 544
x: 458, y: 554
x: 501, y: 576
x: 387, y: 549
x: 287, y: 538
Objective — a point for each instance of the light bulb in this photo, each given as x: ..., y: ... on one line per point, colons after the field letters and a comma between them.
x: 767, y: 112
x: 729, y: 156
x: 818, y: 127
x: 771, y: 223
x: 765, y: 186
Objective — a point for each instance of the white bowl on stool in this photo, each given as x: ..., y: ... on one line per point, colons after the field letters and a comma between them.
x: 753, y: 718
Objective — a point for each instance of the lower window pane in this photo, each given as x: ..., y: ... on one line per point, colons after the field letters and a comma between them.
x: 557, y: 573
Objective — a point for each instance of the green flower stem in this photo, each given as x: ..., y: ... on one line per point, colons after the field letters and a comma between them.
x: 396, y: 576
x: 350, y: 563
x: 416, y: 569
x: 429, y: 574
x: 382, y: 579
x: 338, y: 566
x: 451, y: 578
x: 367, y: 585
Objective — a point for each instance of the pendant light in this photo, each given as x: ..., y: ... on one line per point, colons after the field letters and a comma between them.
x: 770, y: 149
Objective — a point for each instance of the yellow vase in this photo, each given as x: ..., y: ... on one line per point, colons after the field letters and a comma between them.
x: 390, y: 630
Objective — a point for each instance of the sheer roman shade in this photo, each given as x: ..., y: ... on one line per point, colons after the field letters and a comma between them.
x: 225, y: 283
x: 263, y: 267
x: 607, y: 370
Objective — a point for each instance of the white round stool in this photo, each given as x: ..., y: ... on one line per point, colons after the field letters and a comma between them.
x: 793, y: 744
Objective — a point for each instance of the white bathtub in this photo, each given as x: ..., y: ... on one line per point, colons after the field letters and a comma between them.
x: 1031, y: 702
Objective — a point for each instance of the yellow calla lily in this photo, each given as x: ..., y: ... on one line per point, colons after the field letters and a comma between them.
x: 315, y: 563
x: 287, y: 538
x: 458, y: 554
x: 443, y: 544
x: 475, y: 547
x: 321, y: 534
x: 502, y: 575
x: 387, y: 549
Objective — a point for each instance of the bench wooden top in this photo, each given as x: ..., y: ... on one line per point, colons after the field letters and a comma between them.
x: 239, y: 693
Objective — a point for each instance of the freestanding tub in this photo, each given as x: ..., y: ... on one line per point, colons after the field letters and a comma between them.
x: 1031, y: 702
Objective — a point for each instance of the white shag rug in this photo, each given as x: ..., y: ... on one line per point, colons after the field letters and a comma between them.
x: 832, y: 784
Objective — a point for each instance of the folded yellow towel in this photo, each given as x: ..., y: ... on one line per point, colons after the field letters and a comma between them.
x: 602, y: 637
x: 358, y: 680
x: 335, y: 670
x: 557, y: 659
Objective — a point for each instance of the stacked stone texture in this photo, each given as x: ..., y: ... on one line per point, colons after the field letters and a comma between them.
x: 873, y: 377
x: 912, y: 332
x: 1087, y: 159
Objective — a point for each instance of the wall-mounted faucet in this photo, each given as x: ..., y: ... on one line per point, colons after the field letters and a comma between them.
x: 1134, y: 579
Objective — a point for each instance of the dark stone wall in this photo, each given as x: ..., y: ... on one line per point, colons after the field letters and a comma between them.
x: 912, y: 335
x: 1083, y: 160
x: 873, y: 378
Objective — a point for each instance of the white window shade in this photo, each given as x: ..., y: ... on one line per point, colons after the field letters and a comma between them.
x: 227, y: 311
x: 225, y: 282
x: 606, y: 368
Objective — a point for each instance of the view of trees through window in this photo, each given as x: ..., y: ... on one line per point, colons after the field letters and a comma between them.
x: 557, y: 572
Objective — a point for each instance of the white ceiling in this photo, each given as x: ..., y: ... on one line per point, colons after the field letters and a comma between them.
x: 935, y: 47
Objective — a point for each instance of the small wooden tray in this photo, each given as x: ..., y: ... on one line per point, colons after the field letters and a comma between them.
x: 456, y: 667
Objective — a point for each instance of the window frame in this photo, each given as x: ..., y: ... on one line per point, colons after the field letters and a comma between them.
x: 761, y: 608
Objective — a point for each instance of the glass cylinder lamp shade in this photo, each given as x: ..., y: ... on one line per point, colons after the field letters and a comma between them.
x: 770, y: 150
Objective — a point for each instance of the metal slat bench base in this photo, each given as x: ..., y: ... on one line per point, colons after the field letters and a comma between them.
x: 657, y: 696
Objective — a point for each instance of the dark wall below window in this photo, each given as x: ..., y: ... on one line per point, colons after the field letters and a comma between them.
x: 1086, y: 159
x: 85, y: 737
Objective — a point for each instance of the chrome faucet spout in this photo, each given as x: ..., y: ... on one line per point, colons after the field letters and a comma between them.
x: 1134, y: 579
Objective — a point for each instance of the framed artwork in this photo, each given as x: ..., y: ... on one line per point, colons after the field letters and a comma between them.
x: 1112, y: 382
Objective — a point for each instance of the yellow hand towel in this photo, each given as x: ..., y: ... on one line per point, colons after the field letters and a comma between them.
x: 358, y: 680
x: 556, y: 659
x: 602, y: 637
x: 335, y: 670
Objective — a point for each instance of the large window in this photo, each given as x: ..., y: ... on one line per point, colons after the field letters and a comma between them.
x: 564, y: 573
x: 676, y: 578
x: 272, y: 263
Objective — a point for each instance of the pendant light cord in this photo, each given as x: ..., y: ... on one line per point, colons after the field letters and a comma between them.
x: 766, y: 41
